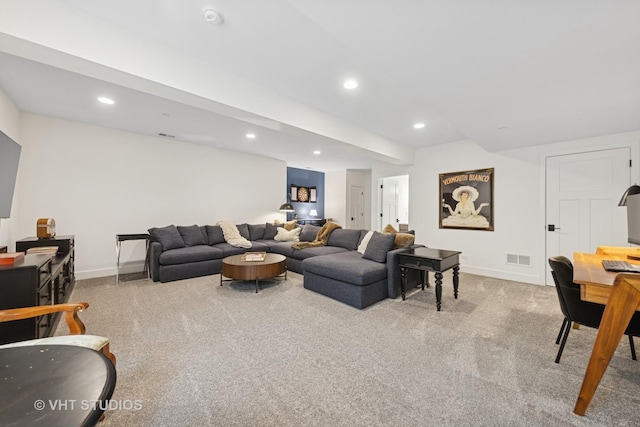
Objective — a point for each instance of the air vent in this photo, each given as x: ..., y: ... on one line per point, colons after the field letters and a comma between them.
x: 166, y: 135
x: 515, y: 259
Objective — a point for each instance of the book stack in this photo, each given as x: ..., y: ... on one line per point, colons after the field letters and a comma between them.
x: 11, y: 258
x: 253, y: 256
x: 50, y: 250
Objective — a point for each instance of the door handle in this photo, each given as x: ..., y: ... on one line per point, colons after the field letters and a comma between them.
x: 552, y: 227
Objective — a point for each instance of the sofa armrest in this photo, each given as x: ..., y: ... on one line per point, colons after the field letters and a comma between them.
x: 394, y: 277
x: 155, y: 249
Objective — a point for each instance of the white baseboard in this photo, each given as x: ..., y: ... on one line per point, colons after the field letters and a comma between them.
x: 125, y: 268
x: 504, y: 275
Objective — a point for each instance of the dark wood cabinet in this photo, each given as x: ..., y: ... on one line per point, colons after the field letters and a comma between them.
x: 39, y: 279
x: 25, y: 284
x: 62, y: 264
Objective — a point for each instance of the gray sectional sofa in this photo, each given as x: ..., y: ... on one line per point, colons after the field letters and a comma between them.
x: 336, y: 270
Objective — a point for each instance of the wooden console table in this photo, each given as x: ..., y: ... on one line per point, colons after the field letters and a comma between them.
x: 427, y: 259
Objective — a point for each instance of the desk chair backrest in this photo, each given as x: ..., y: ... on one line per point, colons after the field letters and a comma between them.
x: 573, y: 308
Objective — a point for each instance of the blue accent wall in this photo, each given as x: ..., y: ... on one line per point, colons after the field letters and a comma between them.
x: 306, y: 178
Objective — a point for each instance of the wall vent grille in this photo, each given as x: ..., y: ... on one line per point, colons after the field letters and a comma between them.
x: 515, y: 259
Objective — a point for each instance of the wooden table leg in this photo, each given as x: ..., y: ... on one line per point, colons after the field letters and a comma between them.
x: 438, y: 289
x: 622, y: 303
x: 456, y: 280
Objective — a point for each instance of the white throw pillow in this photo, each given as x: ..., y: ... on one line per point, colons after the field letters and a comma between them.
x: 283, y: 235
x: 365, y: 241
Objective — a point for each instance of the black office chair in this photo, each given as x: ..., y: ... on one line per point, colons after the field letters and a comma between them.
x: 579, y: 311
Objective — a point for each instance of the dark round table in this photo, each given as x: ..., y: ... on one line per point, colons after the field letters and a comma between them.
x: 54, y: 385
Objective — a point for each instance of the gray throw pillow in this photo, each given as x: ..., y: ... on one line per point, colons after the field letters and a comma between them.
x: 271, y: 230
x: 309, y: 232
x: 378, y: 246
x: 256, y: 231
x: 192, y: 235
x: 215, y: 234
x: 244, y: 230
x: 169, y: 237
x: 345, y: 238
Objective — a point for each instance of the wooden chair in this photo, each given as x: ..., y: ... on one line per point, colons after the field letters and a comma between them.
x: 76, y: 327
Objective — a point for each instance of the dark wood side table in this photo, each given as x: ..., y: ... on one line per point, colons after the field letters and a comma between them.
x: 428, y: 259
x: 54, y: 385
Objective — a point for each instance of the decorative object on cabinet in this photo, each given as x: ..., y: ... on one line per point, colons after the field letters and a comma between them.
x: 46, y: 228
x: 466, y: 200
x: 12, y: 258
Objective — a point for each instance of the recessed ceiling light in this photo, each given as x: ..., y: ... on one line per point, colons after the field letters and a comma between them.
x: 251, y: 135
x: 350, y: 84
x: 419, y: 125
x: 106, y: 100
x: 503, y: 129
x: 317, y: 152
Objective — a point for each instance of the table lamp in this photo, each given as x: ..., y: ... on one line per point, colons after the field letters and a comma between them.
x: 313, y: 213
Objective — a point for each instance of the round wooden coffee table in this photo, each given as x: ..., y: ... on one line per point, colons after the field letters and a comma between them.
x: 235, y: 268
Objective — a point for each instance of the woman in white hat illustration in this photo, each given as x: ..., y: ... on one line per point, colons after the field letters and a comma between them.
x: 465, y: 214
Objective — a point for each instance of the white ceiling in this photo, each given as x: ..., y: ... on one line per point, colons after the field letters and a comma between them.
x: 505, y: 74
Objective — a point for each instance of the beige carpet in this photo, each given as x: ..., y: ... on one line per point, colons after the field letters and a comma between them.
x: 195, y: 353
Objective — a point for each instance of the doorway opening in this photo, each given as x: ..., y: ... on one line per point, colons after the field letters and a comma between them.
x: 394, y: 202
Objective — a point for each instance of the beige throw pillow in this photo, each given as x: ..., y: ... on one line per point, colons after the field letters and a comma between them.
x: 283, y: 235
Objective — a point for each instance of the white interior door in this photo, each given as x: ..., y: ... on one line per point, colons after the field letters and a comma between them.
x: 389, y: 203
x: 582, y: 212
x: 356, y: 208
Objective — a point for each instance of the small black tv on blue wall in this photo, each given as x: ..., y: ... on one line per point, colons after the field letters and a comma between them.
x: 9, y: 159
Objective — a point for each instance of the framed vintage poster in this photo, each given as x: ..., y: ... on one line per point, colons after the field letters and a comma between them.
x: 466, y: 200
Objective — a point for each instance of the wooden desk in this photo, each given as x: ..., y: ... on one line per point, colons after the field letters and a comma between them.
x: 621, y: 294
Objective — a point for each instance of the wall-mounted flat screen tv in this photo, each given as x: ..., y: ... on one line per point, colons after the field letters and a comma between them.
x: 9, y: 159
